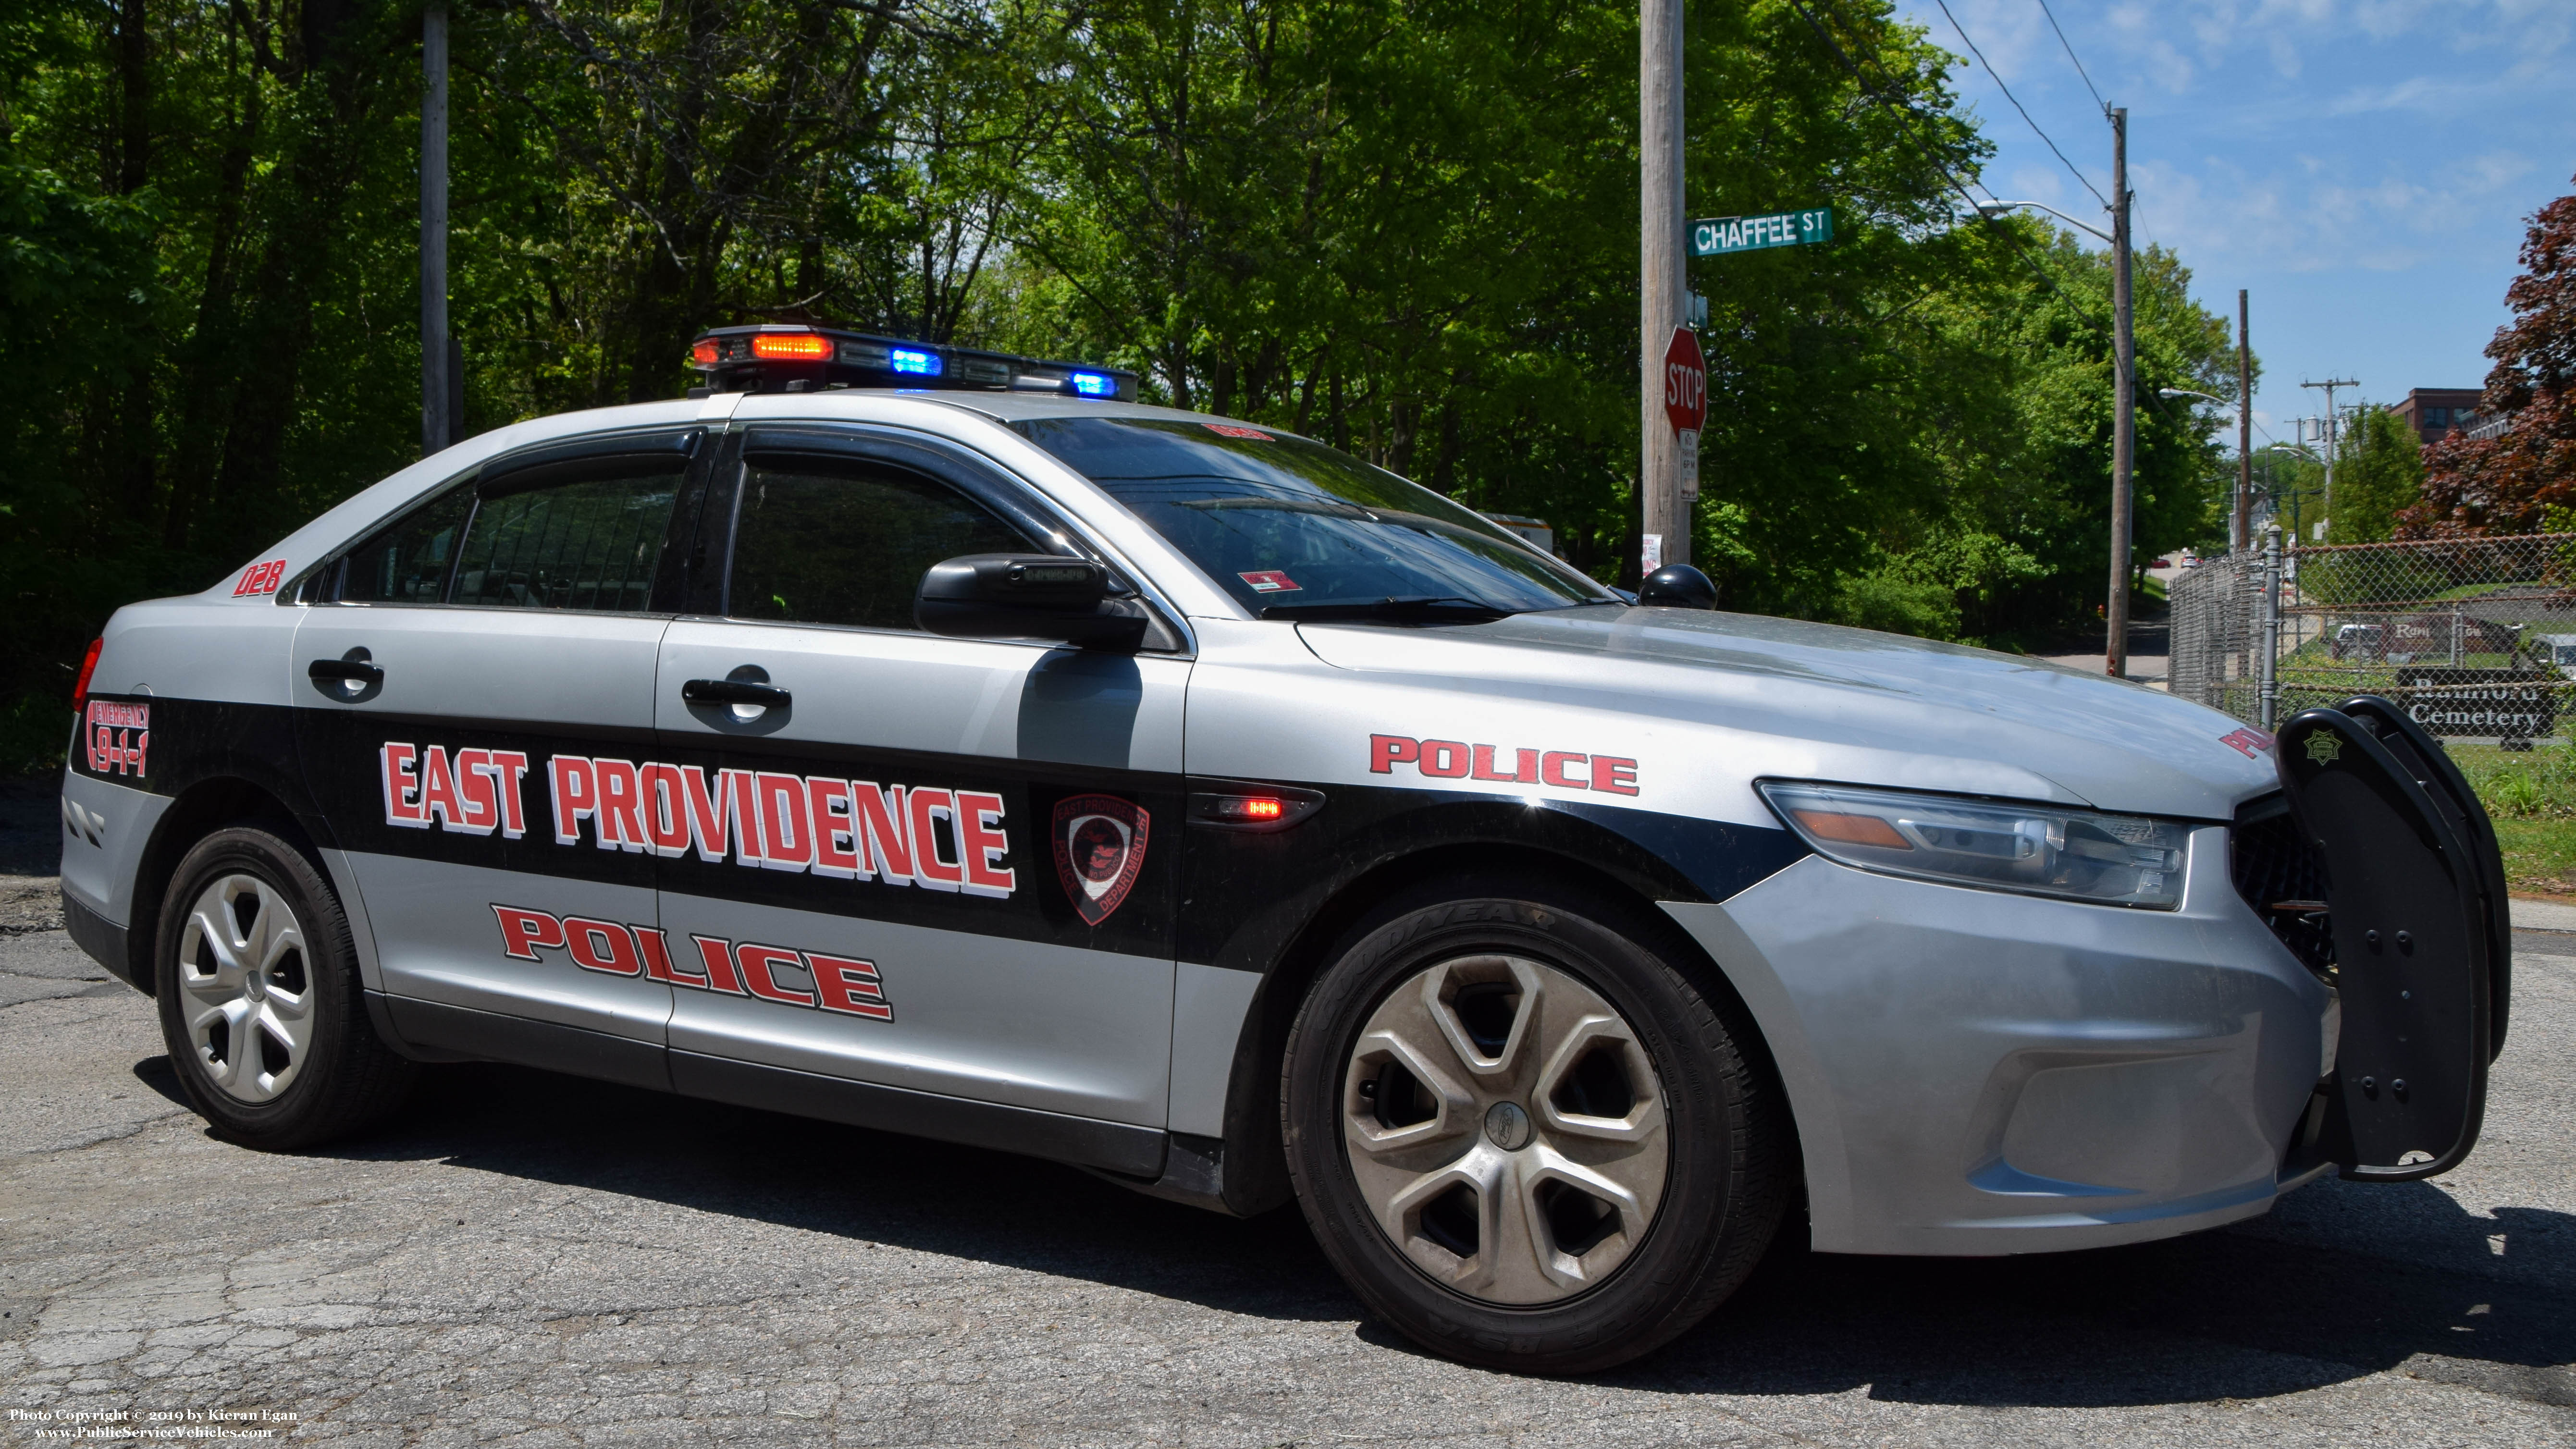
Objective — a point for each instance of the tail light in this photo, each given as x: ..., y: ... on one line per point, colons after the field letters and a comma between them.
x: 89, y: 666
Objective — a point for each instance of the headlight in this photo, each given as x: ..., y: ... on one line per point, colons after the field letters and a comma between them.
x: 2041, y: 850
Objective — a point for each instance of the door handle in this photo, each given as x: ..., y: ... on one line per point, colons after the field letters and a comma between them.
x: 734, y: 691
x: 345, y: 671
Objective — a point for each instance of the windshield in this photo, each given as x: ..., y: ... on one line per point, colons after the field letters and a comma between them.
x: 1290, y: 527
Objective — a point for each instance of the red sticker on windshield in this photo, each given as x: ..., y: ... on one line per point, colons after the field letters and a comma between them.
x: 1270, y: 581
x: 1229, y: 430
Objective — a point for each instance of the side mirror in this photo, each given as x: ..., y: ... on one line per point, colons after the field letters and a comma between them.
x: 1019, y: 596
x: 1677, y: 586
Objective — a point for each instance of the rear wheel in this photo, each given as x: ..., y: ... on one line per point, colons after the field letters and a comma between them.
x: 260, y: 1000
x: 1524, y: 1135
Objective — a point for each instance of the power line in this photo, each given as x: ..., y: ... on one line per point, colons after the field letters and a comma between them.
x: 2070, y: 54
x: 1878, y: 95
x: 2046, y: 280
x: 2017, y: 105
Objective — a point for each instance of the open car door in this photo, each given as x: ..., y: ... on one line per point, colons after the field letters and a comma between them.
x: 2432, y: 767
x: 2415, y: 928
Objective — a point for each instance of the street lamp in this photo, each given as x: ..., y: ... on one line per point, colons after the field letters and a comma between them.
x: 2187, y: 392
x: 1992, y: 209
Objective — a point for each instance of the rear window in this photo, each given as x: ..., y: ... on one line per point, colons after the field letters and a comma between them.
x: 588, y: 545
x: 1281, y: 522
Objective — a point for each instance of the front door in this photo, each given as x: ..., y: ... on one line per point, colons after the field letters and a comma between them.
x: 464, y: 668
x: 939, y: 865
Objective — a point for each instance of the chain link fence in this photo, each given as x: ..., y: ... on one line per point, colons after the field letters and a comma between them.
x: 2476, y: 638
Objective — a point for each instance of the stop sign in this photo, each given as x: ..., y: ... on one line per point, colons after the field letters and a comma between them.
x: 1685, y: 382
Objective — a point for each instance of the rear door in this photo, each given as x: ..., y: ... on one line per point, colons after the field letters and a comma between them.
x: 472, y: 674
x: 935, y: 865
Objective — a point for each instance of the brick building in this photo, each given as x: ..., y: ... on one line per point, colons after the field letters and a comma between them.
x: 2433, y: 412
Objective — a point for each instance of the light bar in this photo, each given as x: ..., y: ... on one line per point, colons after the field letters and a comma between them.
x: 806, y: 357
x: 797, y: 346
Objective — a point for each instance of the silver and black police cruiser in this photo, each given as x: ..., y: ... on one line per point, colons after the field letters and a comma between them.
x: 941, y: 741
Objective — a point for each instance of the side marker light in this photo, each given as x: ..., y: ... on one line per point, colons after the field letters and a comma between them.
x: 1857, y: 829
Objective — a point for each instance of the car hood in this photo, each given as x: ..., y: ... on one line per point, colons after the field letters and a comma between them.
x: 1820, y: 701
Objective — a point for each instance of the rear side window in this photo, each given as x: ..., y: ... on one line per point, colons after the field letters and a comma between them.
x: 823, y: 542
x: 406, y: 561
x: 591, y: 545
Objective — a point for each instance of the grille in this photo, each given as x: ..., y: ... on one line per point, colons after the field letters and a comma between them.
x: 2280, y: 875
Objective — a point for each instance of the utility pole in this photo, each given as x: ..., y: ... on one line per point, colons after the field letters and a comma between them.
x: 2124, y: 404
x: 1662, y: 295
x: 436, y: 419
x: 2330, y: 384
x: 2241, y: 535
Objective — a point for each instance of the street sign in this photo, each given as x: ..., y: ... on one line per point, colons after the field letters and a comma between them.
x: 1721, y: 235
x: 1685, y: 382
x: 1686, y: 400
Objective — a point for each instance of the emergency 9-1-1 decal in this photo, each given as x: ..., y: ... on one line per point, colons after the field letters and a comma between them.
x: 844, y: 829
x: 117, y: 737
x: 815, y: 980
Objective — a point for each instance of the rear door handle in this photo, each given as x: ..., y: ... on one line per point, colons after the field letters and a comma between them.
x: 734, y: 691
x: 345, y: 671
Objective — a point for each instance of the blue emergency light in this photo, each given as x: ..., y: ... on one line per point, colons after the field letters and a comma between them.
x: 799, y: 357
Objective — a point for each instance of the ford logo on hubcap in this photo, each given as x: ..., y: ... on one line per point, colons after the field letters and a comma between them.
x: 1508, y: 1126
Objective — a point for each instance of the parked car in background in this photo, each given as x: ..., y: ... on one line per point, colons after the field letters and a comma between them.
x: 1533, y: 531
x: 2359, y: 643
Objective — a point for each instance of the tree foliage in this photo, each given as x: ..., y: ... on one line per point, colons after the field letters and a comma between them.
x: 2379, y: 473
x: 2508, y: 483
x: 1407, y: 227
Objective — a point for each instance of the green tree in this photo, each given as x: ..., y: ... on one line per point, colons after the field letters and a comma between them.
x: 2379, y: 470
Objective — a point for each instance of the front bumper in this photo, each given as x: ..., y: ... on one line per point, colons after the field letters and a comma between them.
x: 1975, y: 1073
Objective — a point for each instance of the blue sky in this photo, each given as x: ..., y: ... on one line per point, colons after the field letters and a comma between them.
x: 2365, y: 170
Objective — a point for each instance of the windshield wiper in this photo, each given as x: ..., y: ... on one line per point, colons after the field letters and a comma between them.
x: 1429, y: 609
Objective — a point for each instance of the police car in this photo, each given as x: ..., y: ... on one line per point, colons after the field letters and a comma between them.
x: 942, y: 741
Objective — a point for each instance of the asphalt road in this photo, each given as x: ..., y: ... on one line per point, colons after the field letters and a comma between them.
x: 537, y: 1260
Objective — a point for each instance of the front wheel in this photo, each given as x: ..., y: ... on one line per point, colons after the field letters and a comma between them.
x: 1523, y: 1133
x: 260, y: 1000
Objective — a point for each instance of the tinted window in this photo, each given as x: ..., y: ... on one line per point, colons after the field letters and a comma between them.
x: 406, y: 561
x: 1279, y: 521
x: 591, y: 545
x: 824, y: 543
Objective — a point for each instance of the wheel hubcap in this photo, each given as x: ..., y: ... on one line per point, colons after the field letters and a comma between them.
x: 245, y: 983
x: 1506, y: 1128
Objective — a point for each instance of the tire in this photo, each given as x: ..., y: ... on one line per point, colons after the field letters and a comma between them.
x: 1523, y: 1134
x: 260, y: 999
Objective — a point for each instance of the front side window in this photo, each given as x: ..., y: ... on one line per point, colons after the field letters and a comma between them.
x: 590, y: 545
x: 828, y: 542
x: 1291, y: 527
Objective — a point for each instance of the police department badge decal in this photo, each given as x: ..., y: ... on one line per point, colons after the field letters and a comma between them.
x: 1099, y: 851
